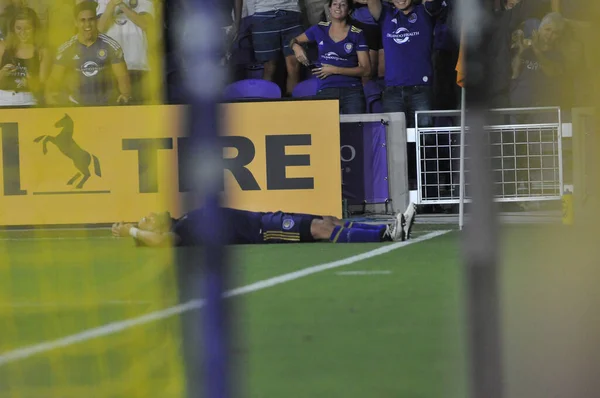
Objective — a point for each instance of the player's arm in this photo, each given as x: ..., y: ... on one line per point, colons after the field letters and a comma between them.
x: 148, y: 238
x: 375, y: 8
x: 119, y: 69
x: 123, y: 82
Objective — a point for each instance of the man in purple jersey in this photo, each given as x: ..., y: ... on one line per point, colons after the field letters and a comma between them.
x: 343, y: 57
x: 90, y: 60
x: 407, y: 34
x: 246, y: 227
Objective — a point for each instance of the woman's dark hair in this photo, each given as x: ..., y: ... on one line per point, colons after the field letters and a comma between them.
x: 350, y: 4
x: 27, y: 14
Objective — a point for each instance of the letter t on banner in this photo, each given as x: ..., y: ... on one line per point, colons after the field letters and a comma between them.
x: 200, y: 43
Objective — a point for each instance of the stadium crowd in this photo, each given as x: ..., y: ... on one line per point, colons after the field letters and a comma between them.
x: 413, y: 51
x: 82, y: 52
x: 374, y: 55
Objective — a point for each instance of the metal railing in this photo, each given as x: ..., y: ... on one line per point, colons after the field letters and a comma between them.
x: 526, y: 156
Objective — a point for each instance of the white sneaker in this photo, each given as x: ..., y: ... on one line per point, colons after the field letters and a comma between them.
x: 409, y: 219
x: 395, y: 231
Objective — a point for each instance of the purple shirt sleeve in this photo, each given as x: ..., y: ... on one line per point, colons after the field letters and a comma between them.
x: 116, y: 55
x: 311, y: 33
x: 361, y: 42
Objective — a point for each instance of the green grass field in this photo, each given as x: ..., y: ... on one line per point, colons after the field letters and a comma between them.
x: 395, y: 333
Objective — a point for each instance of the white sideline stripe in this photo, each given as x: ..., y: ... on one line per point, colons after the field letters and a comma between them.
x: 115, y: 327
x: 353, y: 273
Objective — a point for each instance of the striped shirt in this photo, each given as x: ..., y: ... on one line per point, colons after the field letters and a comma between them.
x: 89, y: 69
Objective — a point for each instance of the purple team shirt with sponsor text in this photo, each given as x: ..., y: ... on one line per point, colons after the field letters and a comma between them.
x: 343, y: 54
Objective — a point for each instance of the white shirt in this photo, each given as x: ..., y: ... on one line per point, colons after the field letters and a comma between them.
x: 131, y: 37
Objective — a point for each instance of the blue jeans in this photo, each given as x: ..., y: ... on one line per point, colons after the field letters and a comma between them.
x: 408, y: 99
x: 352, y: 99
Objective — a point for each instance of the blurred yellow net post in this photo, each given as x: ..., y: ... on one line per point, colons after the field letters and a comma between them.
x: 74, y: 302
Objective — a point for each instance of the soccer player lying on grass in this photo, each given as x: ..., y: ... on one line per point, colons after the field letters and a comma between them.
x: 245, y: 227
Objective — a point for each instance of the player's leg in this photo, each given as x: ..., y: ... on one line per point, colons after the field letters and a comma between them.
x: 399, y: 229
x: 409, y: 216
x: 325, y: 229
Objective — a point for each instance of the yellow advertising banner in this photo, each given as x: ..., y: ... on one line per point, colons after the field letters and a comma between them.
x: 106, y: 164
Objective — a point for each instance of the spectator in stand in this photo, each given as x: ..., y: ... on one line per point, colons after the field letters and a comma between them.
x: 407, y: 30
x: 537, y: 64
x: 93, y: 60
x: 25, y: 62
x: 274, y: 24
x: 127, y: 22
x: 343, y: 57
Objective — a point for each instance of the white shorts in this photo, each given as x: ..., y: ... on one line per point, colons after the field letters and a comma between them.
x: 12, y: 98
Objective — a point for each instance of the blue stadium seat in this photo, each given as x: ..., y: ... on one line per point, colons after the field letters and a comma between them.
x: 306, y: 88
x: 252, y: 88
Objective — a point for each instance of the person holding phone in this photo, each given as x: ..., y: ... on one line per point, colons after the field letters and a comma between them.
x: 343, y: 57
x: 24, y: 61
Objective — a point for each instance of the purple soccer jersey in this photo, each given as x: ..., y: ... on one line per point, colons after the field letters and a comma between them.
x: 343, y: 54
x: 407, y: 42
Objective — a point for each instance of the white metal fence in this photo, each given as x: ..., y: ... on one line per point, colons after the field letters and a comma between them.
x: 526, y: 156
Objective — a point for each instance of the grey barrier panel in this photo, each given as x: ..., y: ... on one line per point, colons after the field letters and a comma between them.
x: 396, y: 155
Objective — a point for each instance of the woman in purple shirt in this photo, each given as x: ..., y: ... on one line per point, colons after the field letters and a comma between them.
x: 343, y: 57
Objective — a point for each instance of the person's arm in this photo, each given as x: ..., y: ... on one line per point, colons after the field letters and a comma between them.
x: 517, y: 59
x: 517, y: 66
x: 148, y: 238
x: 123, y: 83
x: 53, y: 83
x: 143, y: 19
x: 238, y: 5
x: 375, y: 8
x: 4, y: 69
x: 106, y: 12
x: 119, y: 69
x: 298, y: 49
